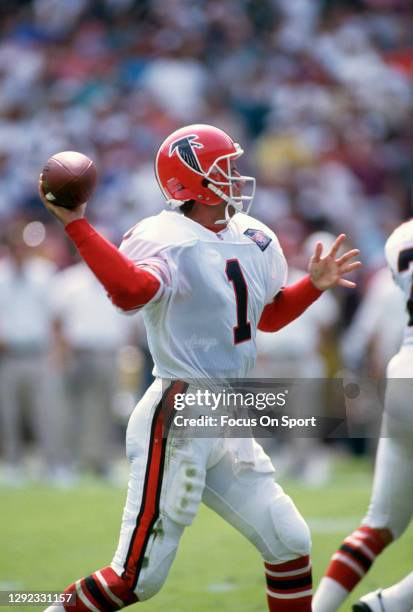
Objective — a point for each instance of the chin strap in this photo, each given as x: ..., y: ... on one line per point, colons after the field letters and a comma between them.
x: 238, y: 206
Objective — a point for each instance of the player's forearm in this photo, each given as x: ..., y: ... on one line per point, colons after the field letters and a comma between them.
x: 128, y: 285
x: 289, y: 304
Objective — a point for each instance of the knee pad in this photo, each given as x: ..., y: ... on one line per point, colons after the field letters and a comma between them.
x: 153, y: 577
x: 291, y: 529
x: 159, y: 555
x: 184, y: 493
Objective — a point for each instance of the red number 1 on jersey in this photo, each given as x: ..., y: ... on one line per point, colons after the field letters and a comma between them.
x: 242, y: 330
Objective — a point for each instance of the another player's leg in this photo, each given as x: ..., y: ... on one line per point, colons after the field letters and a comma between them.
x: 348, y: 566
x: 389, y: 514
x: 257, y: 507
x: 397, y: 598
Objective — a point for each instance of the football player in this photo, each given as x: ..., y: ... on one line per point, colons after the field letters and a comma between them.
x: 391, y: 508
x: 205, y: 275
x: 397, y: 597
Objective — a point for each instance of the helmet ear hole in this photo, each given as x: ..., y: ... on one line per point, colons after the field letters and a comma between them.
x: 204, y: 183
x: 187, y: 206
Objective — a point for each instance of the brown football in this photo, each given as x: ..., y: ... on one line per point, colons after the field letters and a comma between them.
x: 69, y: 179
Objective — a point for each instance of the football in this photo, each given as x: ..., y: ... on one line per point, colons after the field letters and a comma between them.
x: 69, y: 179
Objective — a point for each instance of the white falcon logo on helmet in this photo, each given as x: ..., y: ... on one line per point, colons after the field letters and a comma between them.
x: 185, y: 149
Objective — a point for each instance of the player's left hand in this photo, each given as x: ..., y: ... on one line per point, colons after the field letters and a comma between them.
x: 326, y: 272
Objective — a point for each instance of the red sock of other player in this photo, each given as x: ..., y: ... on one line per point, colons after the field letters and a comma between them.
x: 355, y: 557
x: 347, y: 567
x: 289, y: 585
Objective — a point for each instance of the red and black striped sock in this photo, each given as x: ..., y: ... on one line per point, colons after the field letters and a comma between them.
x: 355, y: 557
x: 289, y: 585
x: 102, y: 591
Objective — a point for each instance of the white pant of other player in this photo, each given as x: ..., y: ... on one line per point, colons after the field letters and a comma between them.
x: 391, y: 505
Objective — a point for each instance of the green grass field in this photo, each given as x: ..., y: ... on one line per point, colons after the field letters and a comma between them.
x: 50, y: 537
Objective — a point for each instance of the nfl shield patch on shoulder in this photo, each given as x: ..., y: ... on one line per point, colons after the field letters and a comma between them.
x: 259, y: 237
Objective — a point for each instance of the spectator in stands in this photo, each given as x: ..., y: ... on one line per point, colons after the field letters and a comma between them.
x: 26, y: 373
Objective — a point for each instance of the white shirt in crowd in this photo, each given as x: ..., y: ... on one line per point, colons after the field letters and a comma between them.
x: 89, y: 319
x: 25, y: 308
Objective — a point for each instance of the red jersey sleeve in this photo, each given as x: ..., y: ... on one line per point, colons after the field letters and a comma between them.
x: 289, y: 304
x: 128, y: 285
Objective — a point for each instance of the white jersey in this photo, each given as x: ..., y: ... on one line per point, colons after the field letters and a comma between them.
x: 25, y: 308
x: 399, y: 255
x: 213, y: 287
x: 372, y: 323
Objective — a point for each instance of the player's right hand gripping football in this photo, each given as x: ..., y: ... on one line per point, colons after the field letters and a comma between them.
x: 64, y: 215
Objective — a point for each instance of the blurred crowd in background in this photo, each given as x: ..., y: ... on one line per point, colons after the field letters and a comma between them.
x: 320, y: 96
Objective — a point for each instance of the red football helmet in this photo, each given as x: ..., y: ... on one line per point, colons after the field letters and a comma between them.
x: 194, y: 163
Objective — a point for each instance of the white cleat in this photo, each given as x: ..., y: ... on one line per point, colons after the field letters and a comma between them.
x: 372, y: 602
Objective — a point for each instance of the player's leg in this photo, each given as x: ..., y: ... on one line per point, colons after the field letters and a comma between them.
x: 257, y: 507
x: 113, y: 587
x: 390, y: 508
x: 397, y: 598
x: 164, y: 493
x: 388, y: 515
x: 109, y: 588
